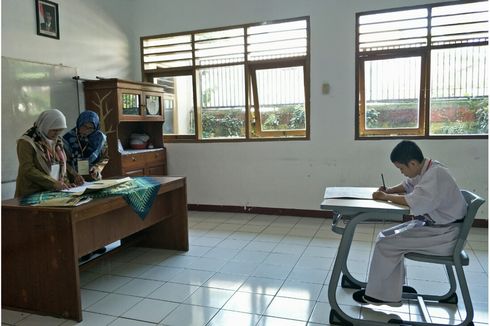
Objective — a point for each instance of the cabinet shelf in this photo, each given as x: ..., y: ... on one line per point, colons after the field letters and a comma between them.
x: 124, y: 108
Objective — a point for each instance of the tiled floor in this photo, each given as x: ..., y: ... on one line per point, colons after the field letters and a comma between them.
x: 246, y: 269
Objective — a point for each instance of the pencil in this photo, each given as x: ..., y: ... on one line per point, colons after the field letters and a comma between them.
x: 383, y: 180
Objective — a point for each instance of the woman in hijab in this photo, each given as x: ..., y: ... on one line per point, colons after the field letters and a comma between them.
x: 42, y: 159
x: 86, y: 146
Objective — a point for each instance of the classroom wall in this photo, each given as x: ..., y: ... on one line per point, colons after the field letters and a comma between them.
x: 278, y: 174
x: 93, y: 36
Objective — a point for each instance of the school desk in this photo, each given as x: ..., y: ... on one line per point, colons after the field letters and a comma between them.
x: 351, y: 212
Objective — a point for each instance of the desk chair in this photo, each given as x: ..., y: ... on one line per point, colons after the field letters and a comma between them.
x: 458, y: 259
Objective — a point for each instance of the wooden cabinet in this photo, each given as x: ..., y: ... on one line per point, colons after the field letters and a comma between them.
x: 136, y: 163
x: 126, y: 108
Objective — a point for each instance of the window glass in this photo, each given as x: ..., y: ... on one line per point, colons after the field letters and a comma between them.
x: 281, y: 99
x: 178, y: 105
x: 223, y: 102
x: 459, y: 91
x: 392, y: 93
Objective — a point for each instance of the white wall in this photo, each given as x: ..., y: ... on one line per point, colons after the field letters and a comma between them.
x: 92, y: 36
x: 282, y: 174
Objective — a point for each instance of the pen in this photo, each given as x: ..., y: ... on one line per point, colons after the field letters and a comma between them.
x: 383, y: 180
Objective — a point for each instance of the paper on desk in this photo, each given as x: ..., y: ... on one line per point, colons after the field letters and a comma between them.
x: 349, y: 192
x: 65, y: 201
x: 96, y: 185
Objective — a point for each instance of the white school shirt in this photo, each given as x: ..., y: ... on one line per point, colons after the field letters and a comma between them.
x: 434, y: 192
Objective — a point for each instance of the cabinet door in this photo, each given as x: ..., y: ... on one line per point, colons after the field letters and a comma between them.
x: 153, y: 106
x: 131, y: 104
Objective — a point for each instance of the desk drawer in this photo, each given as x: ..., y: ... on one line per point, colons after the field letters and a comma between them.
x: 133, y: 161
x: 157, y: 156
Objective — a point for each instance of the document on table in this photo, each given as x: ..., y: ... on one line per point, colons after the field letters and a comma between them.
x: 65, y: 201
x: 96, y: 185
x: 349, y: 192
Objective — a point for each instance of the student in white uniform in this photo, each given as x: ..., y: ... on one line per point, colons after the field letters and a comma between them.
x: 433, y: 197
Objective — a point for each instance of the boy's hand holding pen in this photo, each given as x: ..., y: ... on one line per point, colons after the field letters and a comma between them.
x: 381, y: 193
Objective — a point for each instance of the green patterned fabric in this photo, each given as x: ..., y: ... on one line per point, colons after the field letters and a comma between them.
x: 139, y: 193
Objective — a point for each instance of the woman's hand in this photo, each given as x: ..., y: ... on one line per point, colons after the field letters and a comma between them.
x: 60, y: 185
x: 95, y: 174
x: 79, y: 180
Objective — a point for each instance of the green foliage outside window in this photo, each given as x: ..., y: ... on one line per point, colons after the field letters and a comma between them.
x: 462, y: 116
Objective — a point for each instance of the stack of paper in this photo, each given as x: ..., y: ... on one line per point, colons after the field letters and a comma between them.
x: 349, y: 192
x: 88, y: 187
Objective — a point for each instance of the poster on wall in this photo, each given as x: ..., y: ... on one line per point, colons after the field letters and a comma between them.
x: 47, y: 19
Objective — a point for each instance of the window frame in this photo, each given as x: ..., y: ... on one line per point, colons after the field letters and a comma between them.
x: 255, y: 107
x: 249, y: 67
x: 423, y: 132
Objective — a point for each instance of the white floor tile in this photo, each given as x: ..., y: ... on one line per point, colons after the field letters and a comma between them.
x: 226, y: 318
x: 91, y: 319
x: 261, y: 285
x: 274, y: 321
x: 226, y: 281
x: 290, y: 308
x: 12, y: 317
x: 173, y: 292
x: 209, y: 297
x: 249, y: 269
x: 300, y: 290
x: 129, y: 322
x: 188, y: 315
x: 248, y: 302
x: 163, y: 274
x: 107, y: 283
x: 193, y: 277
x: 114, y: 304
x: 37, y: 320
x: 89, y: 297
x: 150, y: 310
x: 139, y: 287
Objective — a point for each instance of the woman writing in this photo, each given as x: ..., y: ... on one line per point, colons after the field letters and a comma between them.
x: 86, y: 146
x: 42, y: 159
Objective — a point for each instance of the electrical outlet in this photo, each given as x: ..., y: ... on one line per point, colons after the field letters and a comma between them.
x: 325, y: 88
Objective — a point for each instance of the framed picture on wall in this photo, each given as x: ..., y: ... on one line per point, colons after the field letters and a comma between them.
x: 47, y: 19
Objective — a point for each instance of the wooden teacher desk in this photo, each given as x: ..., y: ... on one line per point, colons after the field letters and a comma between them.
x: 41, y: 245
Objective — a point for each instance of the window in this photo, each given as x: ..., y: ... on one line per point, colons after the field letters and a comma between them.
x: 422, y: 71
x: 235, y: 83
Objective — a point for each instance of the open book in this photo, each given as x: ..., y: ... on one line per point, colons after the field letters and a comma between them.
x: 89, y: 187
x: 349, y: 192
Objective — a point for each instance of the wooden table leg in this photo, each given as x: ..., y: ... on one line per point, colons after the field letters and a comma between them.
x: 39, y: 264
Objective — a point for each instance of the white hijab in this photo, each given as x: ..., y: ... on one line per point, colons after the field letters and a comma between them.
x: 50, y: 119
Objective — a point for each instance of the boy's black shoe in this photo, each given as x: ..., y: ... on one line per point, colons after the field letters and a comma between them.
x: 377, y: 302
x: 361, y: 297
x: 358, y: 296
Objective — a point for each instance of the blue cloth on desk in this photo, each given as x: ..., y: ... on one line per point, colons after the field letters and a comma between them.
x: 139, y: 193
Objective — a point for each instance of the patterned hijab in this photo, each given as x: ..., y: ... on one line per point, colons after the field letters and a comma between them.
x: 48, y: 151
x: 89, y: 147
